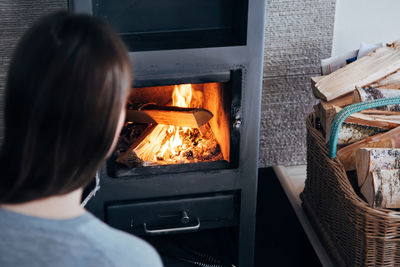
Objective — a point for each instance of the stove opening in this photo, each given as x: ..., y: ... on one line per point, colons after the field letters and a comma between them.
x: 176, y: 128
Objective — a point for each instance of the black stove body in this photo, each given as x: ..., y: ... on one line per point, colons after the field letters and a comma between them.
x: 175, y: 42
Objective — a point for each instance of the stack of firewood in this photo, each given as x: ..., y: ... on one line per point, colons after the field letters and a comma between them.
x: 369, y: 141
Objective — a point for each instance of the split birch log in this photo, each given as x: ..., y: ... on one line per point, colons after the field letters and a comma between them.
x: 369, y: 93
x: 351, y: 133
x: 363, y: 72
x: 369, y: 159
x: 326, y: 114
x: 382, y: 188
x: 380, y: 112
x: 340, y: 101
x: 390, y: 82
x: 170, y: 115
x: 347, y: 155
x: 326, y: 111
x: 130, y: 157
x: 376, y: 118
x: 316, y: 79
x: 358, y: 126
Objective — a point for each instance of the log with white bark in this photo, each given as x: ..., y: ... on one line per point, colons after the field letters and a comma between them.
x: 376, y: 65
x: 347, y: 155
x: 377, y: 119
x: 350, y: 133
x: 358, y: 126
x: 326, y: 112
x: 369, y: 159
x: 369, y: 93
x: 382, y: 188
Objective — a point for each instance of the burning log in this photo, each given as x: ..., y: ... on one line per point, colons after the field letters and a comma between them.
x: 363, y: 72
x: 180, y: 133
x: 382, y: 188
x: 161, y: 144
x: 130, y: 158
x: 390, y: 139
x: 170, y: 115
x: 369, y: 159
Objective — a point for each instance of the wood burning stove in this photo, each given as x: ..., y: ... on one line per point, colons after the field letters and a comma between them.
x: 189, y: 58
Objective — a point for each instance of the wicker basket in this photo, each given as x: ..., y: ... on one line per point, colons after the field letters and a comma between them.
x: 353, y: 233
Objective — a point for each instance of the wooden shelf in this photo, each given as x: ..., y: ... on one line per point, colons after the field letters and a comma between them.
x: 292, y: 180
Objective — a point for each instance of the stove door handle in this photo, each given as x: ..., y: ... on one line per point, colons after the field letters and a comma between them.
x: 172, y: 230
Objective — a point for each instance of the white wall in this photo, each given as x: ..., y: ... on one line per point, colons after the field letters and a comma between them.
x: 369, y: 21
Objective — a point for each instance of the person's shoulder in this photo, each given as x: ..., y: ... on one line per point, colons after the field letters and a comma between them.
x: 120, y: 248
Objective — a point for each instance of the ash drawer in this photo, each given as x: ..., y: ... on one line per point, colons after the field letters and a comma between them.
x: 165, y: 216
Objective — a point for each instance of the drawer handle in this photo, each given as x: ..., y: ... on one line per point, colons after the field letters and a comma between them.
x: 172, y: 230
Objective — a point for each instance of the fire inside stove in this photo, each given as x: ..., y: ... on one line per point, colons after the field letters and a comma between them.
x: 177, y: 124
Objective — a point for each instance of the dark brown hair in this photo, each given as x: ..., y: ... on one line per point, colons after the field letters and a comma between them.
x: 66, y: 86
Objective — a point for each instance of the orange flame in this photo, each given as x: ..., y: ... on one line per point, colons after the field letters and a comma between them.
x: 182, y: 95
x: 167, y: 141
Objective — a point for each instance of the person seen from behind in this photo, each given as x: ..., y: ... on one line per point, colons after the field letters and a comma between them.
x: 65, y: 98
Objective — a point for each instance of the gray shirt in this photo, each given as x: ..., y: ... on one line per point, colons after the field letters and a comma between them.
x: 81, y: 241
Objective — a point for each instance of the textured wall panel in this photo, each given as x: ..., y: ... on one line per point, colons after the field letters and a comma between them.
x: 282, y: 138
x: 15, y: 17
x: 297, y: 35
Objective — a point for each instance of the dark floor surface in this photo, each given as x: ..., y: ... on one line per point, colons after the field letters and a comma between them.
x: 280, y: 239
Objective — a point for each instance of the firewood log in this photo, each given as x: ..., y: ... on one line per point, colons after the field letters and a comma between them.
x: 363, y: 124
x: 390, y: 82
x: 340, y: 101
x: 347, y: 155
x: 363, y: 72
x: 373, y: 120
x: 369, y: 93
x: 380, y: 112
x: 369, y: 159
x: 326, y: 111
x: 130, y: 158
x: 316, y: 79
x: 382, y: 188
x: 169, y: 115
x: 357, y: 126
x: 350, y: 133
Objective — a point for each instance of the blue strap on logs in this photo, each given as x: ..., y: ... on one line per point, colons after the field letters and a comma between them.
x: 347, y: 111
